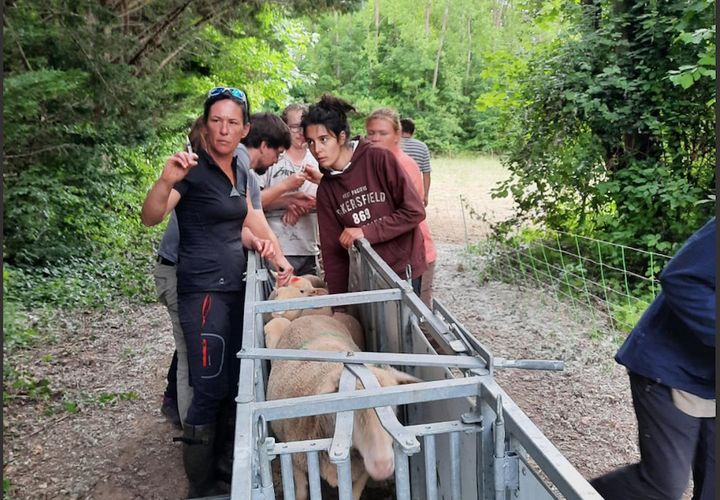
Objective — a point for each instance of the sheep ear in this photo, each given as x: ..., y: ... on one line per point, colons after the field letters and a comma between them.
x: 404, y: 378
x: 317, y: 291
x: 273, y: 294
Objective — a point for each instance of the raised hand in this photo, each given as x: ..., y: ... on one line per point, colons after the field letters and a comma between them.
x: 177, y: 167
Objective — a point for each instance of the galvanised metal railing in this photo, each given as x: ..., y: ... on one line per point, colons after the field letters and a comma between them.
x: 458, y: 434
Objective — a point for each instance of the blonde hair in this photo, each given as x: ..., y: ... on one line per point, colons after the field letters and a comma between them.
x: 388, y: 114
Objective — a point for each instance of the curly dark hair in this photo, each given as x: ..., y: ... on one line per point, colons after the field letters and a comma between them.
x: 330, y: 112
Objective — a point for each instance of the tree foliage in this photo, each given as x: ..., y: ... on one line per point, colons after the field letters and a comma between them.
x: 611, y: 130
x: 97, y: 92
x: 423, y: 58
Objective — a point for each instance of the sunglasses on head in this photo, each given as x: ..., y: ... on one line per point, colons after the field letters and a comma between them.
x: 231, y: 91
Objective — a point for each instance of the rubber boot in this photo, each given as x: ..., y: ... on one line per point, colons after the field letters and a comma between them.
x: 198, y: 455
x: 224, y: 442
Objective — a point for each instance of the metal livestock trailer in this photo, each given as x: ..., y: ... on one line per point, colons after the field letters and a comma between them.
x: 461, y: 436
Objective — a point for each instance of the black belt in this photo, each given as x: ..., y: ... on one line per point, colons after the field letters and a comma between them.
x: 165, y: 262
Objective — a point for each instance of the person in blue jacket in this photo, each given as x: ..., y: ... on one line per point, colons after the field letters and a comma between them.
x: 670, y: 357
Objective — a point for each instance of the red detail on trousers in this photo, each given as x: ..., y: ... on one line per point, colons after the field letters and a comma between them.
x: 204, y: 353
x: 204, y: 310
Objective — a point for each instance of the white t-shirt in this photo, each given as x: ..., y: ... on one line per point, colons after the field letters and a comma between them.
x: 301, y: 238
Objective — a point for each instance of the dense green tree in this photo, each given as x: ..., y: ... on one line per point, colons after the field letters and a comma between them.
x: 96, y: 92
x: 613, y: 125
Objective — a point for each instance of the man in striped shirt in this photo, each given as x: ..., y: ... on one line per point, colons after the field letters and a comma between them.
x: 418, y: 151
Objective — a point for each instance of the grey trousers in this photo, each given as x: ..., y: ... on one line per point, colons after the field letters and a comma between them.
x: 166, y: 289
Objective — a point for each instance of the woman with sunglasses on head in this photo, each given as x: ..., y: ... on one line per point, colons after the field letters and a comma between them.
x: 216, y: 221
x: 363, y: 194
x: 384, y: 130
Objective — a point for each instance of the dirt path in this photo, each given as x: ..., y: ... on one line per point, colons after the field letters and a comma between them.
x: 93, y: 429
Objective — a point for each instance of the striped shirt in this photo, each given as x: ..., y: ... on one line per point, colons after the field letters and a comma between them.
x: 418, y: 151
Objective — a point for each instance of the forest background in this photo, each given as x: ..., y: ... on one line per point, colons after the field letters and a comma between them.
x: 603, y: 112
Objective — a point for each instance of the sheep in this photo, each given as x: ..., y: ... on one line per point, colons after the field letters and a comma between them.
x: 372, y: 445
x: 274, y: 329
x: 292, y: 292
x: 302, y: 286
x: 304, y: 281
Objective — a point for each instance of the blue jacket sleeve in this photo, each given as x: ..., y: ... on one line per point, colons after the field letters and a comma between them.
x: 688, y: 282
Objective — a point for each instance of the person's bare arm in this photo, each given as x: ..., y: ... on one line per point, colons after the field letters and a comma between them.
x: 162, y: 198
x: 257, y: 223
x: 271, y: 193
x: 426, y: 185
x: 287, y: 199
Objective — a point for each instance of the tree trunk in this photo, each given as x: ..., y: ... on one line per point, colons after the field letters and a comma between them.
x: 337, y: 45
x: 468, y: 61
x: 499, y: 12
x: 440, y: 46
x: 377, y: 20
x: 428, y: 12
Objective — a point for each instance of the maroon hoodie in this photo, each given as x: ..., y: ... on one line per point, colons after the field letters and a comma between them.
x: 373, y: 193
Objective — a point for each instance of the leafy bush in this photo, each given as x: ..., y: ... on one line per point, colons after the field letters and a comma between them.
x: 603, y: 140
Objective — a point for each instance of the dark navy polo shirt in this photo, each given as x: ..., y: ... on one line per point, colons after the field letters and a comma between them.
x: 210, y: 214
x: 170, y: 243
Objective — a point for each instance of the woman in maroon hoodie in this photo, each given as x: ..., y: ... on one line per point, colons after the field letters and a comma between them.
x: 363, y: 194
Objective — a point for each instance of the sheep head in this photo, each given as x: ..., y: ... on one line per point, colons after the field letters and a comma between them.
x: 369, y: 437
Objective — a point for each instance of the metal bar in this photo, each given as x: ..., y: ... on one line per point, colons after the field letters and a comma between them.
x: 336, y: 299
x: 313, y: 463
x: 418, y: 430
x: 530, y: 364
x: 476, y: 345
x: 402, y: 474
x: 559, y: 471
x: 379, y: 265
x: 625, y: 274
x: 300, y: 446
x: 614, y: 244
x: 367, y: 398
x: 242, y: 475
x: 344, y: 473
x: 442, y: 428
x: 342, y: 438
x: 499, y: 455
x: 604, y: 288
x: 288, y: 482
x: 565, y: 272
x: 455, y: 466
x: 360, y: 358
x: 386, y: 415
x: 265, y: 467
x: 430, y: 468
x: 652, y: 274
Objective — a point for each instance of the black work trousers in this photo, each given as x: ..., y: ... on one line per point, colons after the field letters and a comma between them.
x: 212, y: 324
x: 672, y: 444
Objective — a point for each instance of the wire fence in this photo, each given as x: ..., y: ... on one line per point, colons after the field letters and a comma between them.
x: 613, y: 283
